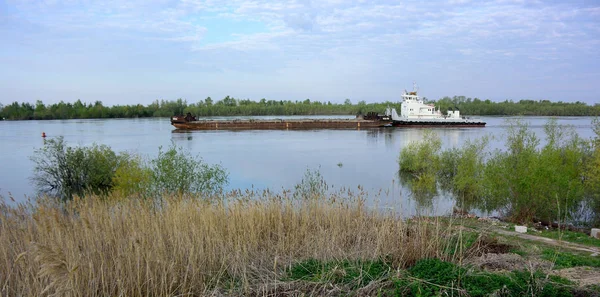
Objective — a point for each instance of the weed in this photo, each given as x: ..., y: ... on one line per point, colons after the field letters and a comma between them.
x: 566, y: 260
x: 433, y: 277
x: 571, y: 236
x: 354, y: 273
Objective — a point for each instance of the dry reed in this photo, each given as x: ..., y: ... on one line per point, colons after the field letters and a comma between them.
x: 193, y: 247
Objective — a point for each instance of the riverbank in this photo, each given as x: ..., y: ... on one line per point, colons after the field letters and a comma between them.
x: 240, y: 244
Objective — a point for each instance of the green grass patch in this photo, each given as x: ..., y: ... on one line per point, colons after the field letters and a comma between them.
x: 571, y: 236
x: 460, y: 242
x: 429, y: 277
x: 566, y: 260
x: 354, y: 273
x: 433, y: 277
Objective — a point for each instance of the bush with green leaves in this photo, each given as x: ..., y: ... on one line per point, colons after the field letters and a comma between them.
x: 176, y: 171
x: 132, y: 177
x: 64, y: 171
x: 530, y: 182
x: 462, y: 172
x: 420, y: 163
x: 313, y: 185
x: 592, y: 173
x: 524, y: 181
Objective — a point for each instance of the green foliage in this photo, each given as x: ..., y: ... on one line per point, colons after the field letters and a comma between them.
x: 592, y: 173
x: 571, y: 236
x: 419, y: 164
x: 462, y: 172
x: 313, y: 185
x: 566, y: 260
x: 461, y: 242
x: 420, y: 160
x: 433, y: 277
x: 63, y: 171
x: 524, y: 181
x: 421, y: 157
x: 176, y: 171
x: 354, y: 273
x: 230, y: 106
x: 543, y: 183
x: 434, y: 271
x: 475, y: 106
x: 132, y: 177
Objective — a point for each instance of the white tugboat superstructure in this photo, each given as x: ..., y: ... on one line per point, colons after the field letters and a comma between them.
x: 415, y: 112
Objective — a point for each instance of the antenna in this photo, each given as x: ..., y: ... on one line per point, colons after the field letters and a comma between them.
x: 415, y: 87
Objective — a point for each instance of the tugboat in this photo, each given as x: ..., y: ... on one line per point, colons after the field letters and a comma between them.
x: 415, y: 113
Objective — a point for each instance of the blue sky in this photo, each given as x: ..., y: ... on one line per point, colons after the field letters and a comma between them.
x: 129, y: 52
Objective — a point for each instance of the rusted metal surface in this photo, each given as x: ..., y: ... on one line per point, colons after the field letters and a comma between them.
x: 279, y: 124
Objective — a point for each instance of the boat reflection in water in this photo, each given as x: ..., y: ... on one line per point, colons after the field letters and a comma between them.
x: 400, y: 138
x: 178, y: 135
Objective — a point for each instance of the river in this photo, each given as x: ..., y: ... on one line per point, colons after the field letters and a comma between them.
x: 259, y: 159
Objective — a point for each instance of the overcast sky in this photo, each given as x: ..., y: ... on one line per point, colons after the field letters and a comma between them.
x: 129, y: 52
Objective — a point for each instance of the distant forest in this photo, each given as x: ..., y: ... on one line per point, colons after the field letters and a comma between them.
x: 229, y: 106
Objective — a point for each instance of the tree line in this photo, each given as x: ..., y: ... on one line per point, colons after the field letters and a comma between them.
x: 230, y: 106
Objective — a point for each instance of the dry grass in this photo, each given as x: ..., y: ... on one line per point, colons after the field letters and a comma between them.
x: 184, y: 247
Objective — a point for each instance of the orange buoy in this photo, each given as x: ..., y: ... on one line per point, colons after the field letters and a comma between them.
x: 43, y: 134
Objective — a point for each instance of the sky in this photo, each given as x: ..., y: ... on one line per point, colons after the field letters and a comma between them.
x: 130, y: 52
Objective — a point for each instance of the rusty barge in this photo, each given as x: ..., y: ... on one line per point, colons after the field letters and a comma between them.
x: 190, y: 122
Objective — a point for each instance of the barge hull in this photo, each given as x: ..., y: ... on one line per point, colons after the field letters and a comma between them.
x: 279, y: 125
x: 440, y: 124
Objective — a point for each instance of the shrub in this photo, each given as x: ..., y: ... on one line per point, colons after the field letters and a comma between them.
x: 419, y: 166
x: 313, y: 185
x: 63, y: 171
x: 462, y: 172
x: 592, y: 173
x: 421, y: 157
x: 176, y: 171
x: 132, y: 177
x: 536, y: 183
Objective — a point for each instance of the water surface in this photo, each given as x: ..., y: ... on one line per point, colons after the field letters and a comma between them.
x: 258, y: 159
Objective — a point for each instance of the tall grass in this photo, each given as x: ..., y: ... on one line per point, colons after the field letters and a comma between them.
x: 131, y: 247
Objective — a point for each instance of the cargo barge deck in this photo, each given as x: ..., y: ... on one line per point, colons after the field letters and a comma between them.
x: 277, y: 124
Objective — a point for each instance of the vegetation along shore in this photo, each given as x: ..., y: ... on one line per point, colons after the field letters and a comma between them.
x: 229, y: 106
x: 123, y: 225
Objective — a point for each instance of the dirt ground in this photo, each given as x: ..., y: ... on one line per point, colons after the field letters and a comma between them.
x: 499, y: 260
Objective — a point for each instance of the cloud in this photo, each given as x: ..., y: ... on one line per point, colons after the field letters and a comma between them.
x: 383, y: 41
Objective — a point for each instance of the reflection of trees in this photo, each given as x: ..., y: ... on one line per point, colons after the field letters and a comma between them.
x: 423, y: 188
